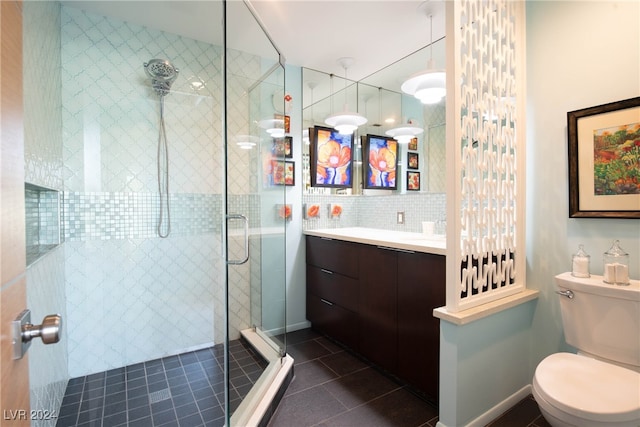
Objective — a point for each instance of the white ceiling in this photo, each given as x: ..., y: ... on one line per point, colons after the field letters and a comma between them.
x: 308, y: 33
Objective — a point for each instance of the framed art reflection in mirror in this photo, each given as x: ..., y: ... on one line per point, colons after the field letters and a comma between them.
x: 380, y: 162
x: 331, y: 158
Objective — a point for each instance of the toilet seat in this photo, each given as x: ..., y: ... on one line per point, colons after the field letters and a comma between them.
x: 588, y: 388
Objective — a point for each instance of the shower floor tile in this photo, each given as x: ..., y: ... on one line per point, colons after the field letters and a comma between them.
x: 183, y: 390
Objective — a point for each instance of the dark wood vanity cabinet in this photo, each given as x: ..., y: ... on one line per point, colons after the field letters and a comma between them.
x: 378, y: 306
x: 421, y: 288
x: 332, y: 288
x: 379, y: 301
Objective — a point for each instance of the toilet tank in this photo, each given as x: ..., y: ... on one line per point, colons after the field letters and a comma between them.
x: 601, y: 319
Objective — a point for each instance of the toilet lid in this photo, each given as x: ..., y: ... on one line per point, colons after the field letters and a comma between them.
x: 589, y: 388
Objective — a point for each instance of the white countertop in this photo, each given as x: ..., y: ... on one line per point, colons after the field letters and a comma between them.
x: 417, y: 242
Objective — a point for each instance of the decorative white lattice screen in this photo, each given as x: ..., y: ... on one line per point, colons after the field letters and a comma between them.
x: 485, y: 65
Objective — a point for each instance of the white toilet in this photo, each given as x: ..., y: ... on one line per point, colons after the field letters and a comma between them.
x: 599, y: 386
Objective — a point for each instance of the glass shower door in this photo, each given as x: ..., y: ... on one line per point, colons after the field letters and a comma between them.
x: 254, y: 202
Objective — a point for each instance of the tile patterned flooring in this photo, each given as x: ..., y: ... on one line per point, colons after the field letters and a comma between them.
x: 185, y: 390
x: 332, y: 387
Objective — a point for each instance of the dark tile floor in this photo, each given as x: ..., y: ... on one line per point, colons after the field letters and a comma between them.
x: 185, y: 390
x: 332, y: 387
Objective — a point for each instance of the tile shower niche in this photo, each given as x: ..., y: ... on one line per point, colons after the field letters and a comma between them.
x: 42, y: 220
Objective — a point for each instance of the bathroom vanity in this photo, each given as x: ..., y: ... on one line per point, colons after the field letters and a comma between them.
x: 375, y: 291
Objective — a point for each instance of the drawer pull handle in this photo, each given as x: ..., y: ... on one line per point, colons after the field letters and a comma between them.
x: 406, y: 251
x: 326, y: 271
x: 326, y: 238
x: 326, y: 302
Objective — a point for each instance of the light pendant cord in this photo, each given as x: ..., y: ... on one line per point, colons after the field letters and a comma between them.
x: 163, y: 175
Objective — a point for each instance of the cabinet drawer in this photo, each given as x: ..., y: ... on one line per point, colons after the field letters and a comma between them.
x: 334, y: 255
x: 339, y: 289
x: 333, y: 320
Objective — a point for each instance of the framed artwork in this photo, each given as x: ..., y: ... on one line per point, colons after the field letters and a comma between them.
x: 413, y: 181
x: 284, y: 173
x: 412, y: 161
x: 284, y: 211
x: 283, y: 147
x: 335, y: 210
x: 331, y: 158
x: 604, y: 160
x: 413, y: 144
x: 381, y: 154
x: 311, y: 211
x: 286, y: 120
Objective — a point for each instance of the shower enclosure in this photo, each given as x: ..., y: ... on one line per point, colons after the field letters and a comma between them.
x: 189, y: 327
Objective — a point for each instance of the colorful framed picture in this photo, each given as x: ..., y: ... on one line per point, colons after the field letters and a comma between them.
x: 335, y: 210
x: 412, y: 161
x: 413, y: 181
x: 413, y: 144
x: 286, y: 120
x: 380, y: 154
x: 331, y: 158
x: 284, y: 173
x: 284, y: 211
x: 283, y: 147
x: 312, y: 211
x: 604, y: 160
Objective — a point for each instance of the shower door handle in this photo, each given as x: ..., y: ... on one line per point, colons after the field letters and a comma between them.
x: 246, y: 239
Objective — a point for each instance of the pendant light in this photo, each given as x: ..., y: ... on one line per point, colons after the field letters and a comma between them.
x: 429, y: 85
x: 274, y: 127
x: 345, y: 122
x: 246, y: 142
x: 405, y: 133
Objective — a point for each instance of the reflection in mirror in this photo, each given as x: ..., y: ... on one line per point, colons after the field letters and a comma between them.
x: 378, y: 97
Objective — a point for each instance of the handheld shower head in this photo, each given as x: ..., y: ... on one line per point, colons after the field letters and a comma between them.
x: 162, y: 73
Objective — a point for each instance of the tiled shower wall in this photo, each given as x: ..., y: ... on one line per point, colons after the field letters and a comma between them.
x: 48, y: 364
x: 132, y: 296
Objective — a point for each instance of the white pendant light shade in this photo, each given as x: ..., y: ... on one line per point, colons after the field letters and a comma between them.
x: 405, y: 133
x: 428, y: 86
x: 246, y: 142
x: 274, y: 127
x: 345, y: 123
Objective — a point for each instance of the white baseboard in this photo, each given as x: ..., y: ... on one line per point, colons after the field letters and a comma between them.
x: 497, y: 410
x: 290, y: 328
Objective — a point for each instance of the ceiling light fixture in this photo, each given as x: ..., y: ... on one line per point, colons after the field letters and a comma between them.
x: 246, y: 142
x: 405, y: 133
x: 429, y: 85
x: 345, y: 122
x: 274, y: 127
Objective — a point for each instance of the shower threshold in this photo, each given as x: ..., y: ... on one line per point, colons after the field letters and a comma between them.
x: 185, y: 389
x: 262, y: 400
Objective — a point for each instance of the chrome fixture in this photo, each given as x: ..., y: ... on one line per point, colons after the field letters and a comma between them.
x: 23, y: 332
x: 162, y: 74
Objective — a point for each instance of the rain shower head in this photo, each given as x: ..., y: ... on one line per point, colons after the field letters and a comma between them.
x: 162, y: 73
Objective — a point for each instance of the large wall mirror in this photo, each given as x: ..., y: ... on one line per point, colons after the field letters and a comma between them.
x: 380, y: 99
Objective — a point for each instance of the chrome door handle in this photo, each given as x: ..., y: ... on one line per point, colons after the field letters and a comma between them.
x: 24, y: 331
x: 246, y: 240
x: 567, y: 293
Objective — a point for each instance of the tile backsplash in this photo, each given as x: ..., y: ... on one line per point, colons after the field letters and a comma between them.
x: 379, y: 211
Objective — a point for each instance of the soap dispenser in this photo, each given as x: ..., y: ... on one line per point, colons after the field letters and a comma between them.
x: 616, y: 265
x: 580, y: 263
